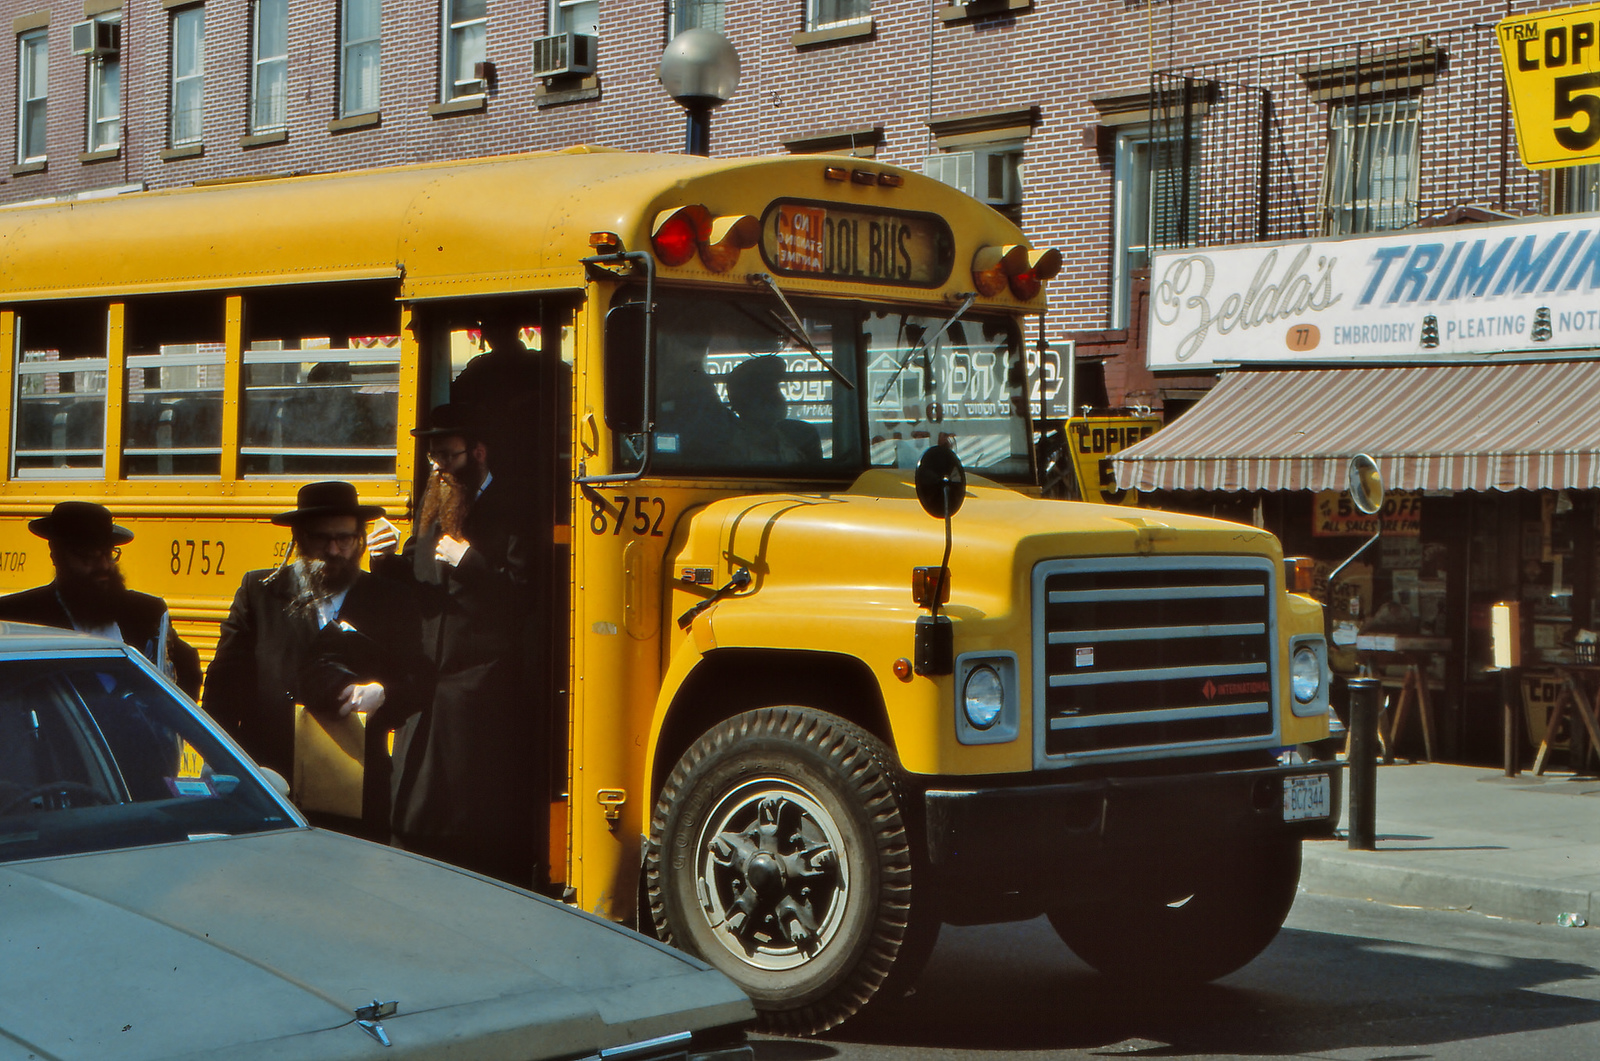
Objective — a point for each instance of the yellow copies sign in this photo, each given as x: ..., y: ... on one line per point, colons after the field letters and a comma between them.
x: 1552, y: 68
x: 1093, y: 440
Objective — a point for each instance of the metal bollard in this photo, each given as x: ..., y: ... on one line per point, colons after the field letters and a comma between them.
x: 1511, y: 701
x: 1366, y: 695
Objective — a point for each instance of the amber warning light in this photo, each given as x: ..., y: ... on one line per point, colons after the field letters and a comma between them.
x: 682, y: 232
x: 1019, y: 267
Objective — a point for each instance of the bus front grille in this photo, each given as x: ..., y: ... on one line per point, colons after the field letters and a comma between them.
x: 1155, y: 654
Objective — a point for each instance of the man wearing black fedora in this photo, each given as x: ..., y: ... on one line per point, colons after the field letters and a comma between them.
x: 320, y: 631
x: 89, y: 594
x: 471, y: 766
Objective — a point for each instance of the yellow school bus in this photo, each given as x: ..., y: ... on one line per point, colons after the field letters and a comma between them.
x: 809, y: 705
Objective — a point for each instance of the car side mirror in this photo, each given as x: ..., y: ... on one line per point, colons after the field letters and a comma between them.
x: 627, y: 336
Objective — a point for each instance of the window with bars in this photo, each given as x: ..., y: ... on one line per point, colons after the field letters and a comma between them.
x: 186, y: 124
x: 466, y: 24
x: 1370, y: 184
x: 269, y: 66
x: 33, y: 86
x: 820, y: 14
x: 698, y: 14
x: 1154, y: 207
x: 360, y: 53
x: 104, y: 111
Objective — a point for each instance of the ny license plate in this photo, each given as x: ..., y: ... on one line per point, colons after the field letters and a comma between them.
x: 1307, y: 797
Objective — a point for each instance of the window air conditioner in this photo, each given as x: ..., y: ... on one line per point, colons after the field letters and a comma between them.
x: 955, y: 168
x: 564, y: 53
x: 992, y: 177
x: 96, y: 39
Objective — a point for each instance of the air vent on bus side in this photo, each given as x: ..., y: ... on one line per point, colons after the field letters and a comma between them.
x: 564, y: 53
x: 1154, y: 655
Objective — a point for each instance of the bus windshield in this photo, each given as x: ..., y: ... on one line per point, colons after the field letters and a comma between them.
x: 740, y: 392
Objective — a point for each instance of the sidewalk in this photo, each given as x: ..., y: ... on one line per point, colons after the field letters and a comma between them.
x: 1467, y: 838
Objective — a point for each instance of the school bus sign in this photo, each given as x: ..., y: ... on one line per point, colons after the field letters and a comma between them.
x: 1552, y: 68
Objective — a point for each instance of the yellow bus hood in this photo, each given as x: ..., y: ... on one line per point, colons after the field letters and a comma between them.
x: 860, y: 544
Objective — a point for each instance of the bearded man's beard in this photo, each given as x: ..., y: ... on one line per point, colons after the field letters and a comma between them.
x: 314, y: 580
x: 445, y: 502
x: 93, y: 601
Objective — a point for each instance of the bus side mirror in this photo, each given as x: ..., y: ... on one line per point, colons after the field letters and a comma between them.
x: 626, y: 357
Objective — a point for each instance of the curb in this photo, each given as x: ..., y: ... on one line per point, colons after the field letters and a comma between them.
x: 1365, y: 875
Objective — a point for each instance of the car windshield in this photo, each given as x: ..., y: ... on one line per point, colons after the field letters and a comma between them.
x: 742, y: 388
x: 96, y: 754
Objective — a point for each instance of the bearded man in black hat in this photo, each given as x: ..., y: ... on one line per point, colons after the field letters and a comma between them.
x: 471, y: 765
x: 89, y: 593
x: 321, y: 632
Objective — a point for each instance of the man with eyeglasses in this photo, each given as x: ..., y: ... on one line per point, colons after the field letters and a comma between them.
x: 320, y: 632
x: 89, y: 594
x: 472, y: 764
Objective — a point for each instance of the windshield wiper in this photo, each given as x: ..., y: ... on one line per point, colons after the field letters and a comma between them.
x: 797, y: 330
x: 926, y: 344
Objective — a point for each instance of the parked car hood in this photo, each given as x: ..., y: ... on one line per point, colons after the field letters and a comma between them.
x: 264, y: 945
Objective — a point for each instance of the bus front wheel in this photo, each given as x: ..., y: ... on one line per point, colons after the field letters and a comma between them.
x: 779, y: 854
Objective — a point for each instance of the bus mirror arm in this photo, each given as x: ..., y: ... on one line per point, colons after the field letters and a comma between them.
x: 740, y: 579
x: 598, y: 264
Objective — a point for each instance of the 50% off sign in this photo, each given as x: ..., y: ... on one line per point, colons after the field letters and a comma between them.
x: 1552, y: 68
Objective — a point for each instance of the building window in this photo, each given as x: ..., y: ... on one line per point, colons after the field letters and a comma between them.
x: 188, y: 75
x: 698, y: 14
x: 1149, y: 211
x: 583, y: 16
x: 465, y: 25
x: 1371, y: 181
x: 991, y: 174
x: 269, y: 66
x: 105, y: 98
x: 360, y: 47
x: 1577, y: 190
x: 820, y: 14
x: 33, y: 85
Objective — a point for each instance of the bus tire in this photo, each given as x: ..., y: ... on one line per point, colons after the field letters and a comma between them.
x: 1188, y: 925
x: 780, y: 855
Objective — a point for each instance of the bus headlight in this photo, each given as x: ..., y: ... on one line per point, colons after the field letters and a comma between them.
x: 983, y: 698
x: 1305, y: 674
x: 988, y: 708
x: 1308, y: 676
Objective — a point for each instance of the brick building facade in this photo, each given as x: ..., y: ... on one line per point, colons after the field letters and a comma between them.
x: 1066, y: 109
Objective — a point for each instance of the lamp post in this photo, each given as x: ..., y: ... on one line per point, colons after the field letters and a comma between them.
x: 699, y: 69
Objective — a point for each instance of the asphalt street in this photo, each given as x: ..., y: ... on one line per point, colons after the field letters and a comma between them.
x: 1347, y: 979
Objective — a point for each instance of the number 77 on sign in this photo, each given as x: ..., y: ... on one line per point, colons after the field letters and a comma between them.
x: 1552, y: 68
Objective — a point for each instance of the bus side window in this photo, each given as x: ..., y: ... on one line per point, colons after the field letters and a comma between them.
x: 172, y: 412
x: 321, y: 380
x: 61, y: 390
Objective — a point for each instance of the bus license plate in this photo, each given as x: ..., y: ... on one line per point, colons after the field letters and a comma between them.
x: 1307, y: 797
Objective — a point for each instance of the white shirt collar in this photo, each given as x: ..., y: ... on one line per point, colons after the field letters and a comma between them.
x: 328, y: 607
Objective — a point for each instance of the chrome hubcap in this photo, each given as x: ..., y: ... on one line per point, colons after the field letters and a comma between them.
x: 773, y: 888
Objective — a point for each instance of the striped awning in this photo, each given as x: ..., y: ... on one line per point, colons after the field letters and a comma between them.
x: 1529, y: 426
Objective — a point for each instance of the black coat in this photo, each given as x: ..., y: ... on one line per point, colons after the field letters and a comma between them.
x: 255, y: 680
x: 139, y: 619
x: 468, y: 768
